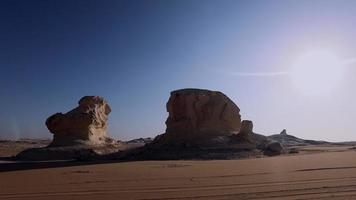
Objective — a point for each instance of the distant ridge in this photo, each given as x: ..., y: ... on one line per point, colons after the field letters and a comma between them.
x: 290, y: 140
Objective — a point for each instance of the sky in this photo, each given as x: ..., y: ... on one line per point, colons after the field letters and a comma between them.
x: 133, y: 53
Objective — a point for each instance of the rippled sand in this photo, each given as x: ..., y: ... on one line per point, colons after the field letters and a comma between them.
x: 330, y: 175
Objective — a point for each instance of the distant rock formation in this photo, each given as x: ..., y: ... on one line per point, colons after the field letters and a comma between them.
x: 290, y: 140
x: 86, y: 123
x: 140, y: 140
x: 197, y: 111
x: 284, y: 132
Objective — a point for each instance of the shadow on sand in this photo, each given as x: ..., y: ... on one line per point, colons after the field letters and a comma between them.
x: 8, y: 164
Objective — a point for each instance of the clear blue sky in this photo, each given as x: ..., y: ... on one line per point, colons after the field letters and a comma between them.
x: 133, y: 53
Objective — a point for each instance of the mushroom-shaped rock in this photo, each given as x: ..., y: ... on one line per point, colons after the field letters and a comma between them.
x: 198, y: 111
x: 85, y: 124
x: 77, y: 134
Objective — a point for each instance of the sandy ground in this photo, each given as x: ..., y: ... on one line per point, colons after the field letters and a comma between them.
x: 328, y: 175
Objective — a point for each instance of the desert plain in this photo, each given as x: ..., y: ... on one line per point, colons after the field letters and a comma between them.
x: 220, y: 157
x: 316, y: 172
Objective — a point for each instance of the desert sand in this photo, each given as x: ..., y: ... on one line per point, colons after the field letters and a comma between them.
x: 328, y: 174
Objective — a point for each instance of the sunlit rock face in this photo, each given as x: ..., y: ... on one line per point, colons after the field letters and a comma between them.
x: 198, y: 118
x: 197, y: 111
x: 85, y: 124
x: 204, y: 124
x: 77, y: 134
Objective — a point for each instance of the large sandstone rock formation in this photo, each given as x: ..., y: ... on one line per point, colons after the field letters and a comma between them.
x: 204, y: 124
x: 196, y: 117
x: 86, y: 123
x: 196, y: 111
x: 77, y: 134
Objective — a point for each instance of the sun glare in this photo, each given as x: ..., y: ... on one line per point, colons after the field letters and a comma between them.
x: 317, y: 72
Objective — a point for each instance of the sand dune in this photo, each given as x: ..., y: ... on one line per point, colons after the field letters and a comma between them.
x: 330, y: 175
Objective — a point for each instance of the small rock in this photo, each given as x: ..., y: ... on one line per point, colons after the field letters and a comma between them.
x: 284, y: 132
x: 274, y: 149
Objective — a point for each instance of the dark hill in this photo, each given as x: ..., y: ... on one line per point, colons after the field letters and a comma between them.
x: 290, y: 140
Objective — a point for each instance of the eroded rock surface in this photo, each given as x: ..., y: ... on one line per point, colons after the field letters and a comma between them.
x: 204, y: 124
x: 197, y: 111
x: 78, y: 134
x: 246, y: 129
x: 288, y: 140
x: 86, y: 123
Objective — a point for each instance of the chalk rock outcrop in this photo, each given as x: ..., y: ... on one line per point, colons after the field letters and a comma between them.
x: 204, y: 124
x: 77, y: 134
x: 196, y: 118
x: 197, y: 111
x: 86, y: 123
x: 246, y: 129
